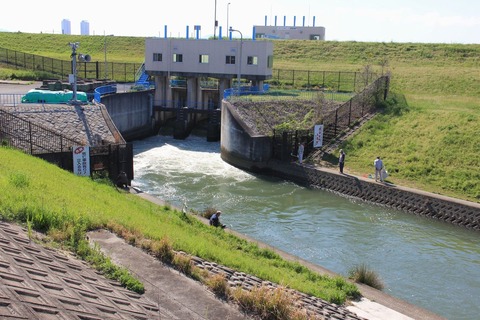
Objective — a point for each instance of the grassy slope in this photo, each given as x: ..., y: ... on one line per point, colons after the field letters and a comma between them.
x: 53, y: 199
x: 434, y: 145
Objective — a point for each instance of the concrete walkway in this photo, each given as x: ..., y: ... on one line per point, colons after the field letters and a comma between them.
x: 177, y: 295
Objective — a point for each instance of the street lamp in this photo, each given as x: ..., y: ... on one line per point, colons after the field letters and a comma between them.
x: 228, y: 7
x: 73, y: 78
x: 105, y: 52
x: 239, y: 62
x: 215, y: 21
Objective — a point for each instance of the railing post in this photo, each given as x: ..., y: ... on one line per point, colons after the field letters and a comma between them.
x: 338, y: 83
x: 30, y: 134
x: 336, y: 123
x: 350, y: 113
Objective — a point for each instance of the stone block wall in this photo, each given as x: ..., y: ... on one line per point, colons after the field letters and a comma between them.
x: 451, y: 210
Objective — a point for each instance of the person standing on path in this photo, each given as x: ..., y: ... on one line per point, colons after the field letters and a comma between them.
x: 378, y: 163
x: 301, y: 149
x: 341, y: 160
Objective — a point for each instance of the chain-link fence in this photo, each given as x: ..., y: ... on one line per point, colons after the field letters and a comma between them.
x: 333, y: 81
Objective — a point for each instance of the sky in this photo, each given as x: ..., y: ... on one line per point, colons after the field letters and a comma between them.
x: 419, y: 21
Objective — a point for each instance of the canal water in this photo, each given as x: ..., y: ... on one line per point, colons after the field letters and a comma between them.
x: 428, y: 263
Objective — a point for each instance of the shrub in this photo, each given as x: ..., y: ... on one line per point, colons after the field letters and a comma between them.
x: 208, y: 212
x: 163, y: 250
x: 362, y: 274
x: 219, y: 285
x: 183, y: 263
x: 268, y: 303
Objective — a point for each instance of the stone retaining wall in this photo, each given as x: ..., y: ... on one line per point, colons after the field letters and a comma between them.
x: 317, y: 308
x: 451, y: 210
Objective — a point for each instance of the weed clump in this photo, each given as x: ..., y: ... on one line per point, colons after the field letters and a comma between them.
x: 362, y: 274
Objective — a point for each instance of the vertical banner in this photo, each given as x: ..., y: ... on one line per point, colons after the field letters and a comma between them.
x: 318, y: 136
x: 81, y: 161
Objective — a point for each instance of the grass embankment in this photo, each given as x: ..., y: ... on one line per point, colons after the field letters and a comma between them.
x: 432, y: 144
x: 57, y: 202
x: 428, y: 136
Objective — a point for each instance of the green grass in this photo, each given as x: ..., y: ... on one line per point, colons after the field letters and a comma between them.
x: 432, y: 144
x: 54, y: 200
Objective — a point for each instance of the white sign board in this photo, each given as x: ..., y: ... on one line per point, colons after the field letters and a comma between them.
x: 318, y: 136
x: 81, y: 161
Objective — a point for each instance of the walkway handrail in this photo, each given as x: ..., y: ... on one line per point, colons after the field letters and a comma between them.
x: 103, y: 90
x: 10, y: 99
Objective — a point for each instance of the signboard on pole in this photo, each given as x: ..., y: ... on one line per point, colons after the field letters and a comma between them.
x: 318, y: 136
x: 81, y: 161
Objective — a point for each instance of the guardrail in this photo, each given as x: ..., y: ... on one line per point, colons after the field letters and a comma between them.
x: 10, y: 99
x: 103, y: 90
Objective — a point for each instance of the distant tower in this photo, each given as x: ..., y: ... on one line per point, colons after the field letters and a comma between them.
x: 66, y: 29
x: 84, y: 28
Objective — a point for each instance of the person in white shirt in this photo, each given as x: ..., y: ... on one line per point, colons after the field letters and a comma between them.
x: 301, y: 149
x: 378, y: 163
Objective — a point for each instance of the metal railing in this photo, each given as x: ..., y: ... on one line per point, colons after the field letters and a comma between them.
x: 335, y: 122
x: 121, y: 72
x: 340, y: 81
x: 31, y: 138
x: 10, y: 99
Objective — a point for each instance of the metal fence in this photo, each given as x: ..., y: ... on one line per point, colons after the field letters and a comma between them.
x: 32, y: 138
x: 285, y: 143
x: 121, y: 72
x: 108, y: 160
x: 10, y: 99
x: 339, y: 81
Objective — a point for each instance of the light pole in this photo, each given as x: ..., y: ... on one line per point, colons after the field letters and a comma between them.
x: 105, y: 53
x: 239, y: 62
x: 215, y: 21
x: 73, y: 80
x: 228, y: 8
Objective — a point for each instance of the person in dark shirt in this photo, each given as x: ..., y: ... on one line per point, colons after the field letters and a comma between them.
x: 215, y: 220
x: 341, y: 160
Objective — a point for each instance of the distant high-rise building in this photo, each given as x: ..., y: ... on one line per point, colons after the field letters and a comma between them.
x: 84, y: 28
x: 66, y: 28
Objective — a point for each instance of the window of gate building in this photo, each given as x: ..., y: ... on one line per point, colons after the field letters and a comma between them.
x: 157, y: 57
x: 253, y: 60
x: 230, y: 59
x: 203, y: 58
x: 177, y: 57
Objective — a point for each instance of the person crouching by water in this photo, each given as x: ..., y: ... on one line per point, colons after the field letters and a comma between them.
x: 215, y: 220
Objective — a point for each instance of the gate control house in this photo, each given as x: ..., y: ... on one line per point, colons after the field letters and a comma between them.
x: 205, y: 69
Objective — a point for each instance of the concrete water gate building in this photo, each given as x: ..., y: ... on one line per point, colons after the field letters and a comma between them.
x: 205, y: 69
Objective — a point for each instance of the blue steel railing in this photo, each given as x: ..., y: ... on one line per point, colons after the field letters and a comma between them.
x: 245, y: 90
x: 103, y: 90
